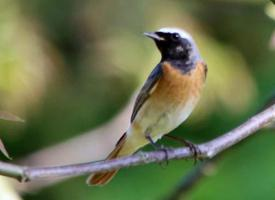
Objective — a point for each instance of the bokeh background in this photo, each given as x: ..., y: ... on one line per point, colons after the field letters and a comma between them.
x: 70, y: 66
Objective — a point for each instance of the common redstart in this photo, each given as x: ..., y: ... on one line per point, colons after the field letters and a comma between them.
x: 167, y: 98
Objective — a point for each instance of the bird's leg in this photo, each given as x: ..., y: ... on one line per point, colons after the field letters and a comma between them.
x: 193, y: 148
x: 157, y: 147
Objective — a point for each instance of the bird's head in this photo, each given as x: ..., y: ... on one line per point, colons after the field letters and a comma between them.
x: 174, y: 44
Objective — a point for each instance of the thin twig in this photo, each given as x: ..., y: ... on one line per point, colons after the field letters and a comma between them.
x: 188, y: 181
x: 207, y: 150
x: 192, y: 178
x: 11, y: 170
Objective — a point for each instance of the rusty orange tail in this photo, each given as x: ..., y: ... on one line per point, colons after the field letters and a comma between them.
x: 103, y: 178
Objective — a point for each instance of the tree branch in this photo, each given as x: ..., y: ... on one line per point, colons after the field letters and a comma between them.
x: 10, y: 170
x: 207, y: 150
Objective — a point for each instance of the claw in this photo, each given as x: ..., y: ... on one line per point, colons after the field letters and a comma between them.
x: 164, y: 163
x: 159, y: 148
x: 193, y: 148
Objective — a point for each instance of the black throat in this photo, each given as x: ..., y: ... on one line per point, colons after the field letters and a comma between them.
x: 179, y: 53
x: 184, y: 65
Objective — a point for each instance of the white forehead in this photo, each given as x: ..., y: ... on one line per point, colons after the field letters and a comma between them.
x: 185, y: 35
x: 181, y: 32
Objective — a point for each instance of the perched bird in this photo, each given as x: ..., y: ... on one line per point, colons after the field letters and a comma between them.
x: 167, y: 98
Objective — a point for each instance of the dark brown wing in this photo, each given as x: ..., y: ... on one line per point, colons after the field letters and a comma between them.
x: 145, y: 90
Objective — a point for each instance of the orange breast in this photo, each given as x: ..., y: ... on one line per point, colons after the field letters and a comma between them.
x: 176, y: 88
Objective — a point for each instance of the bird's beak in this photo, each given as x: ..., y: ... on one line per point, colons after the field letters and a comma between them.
x: 154, y: 36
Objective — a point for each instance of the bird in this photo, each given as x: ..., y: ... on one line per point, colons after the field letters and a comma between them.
x: 167, y: 97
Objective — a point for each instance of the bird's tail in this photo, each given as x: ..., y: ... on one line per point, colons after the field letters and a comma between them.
x: 103, y: 178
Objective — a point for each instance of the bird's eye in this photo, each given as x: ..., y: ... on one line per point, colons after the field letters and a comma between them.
x: 175, y: 36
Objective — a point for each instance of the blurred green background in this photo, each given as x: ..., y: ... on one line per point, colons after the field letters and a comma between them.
x: 69, y: 66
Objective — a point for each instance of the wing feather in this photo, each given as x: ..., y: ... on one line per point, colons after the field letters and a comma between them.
x: 145, y: 91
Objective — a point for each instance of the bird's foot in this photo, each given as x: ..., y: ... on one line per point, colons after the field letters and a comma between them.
x: 192, y: 147
x: 166, y: 159
x: 160, y: 148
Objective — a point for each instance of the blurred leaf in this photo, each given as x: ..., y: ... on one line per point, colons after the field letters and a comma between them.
x: 3, y: 150
x: 10, y: 117
x: 270, y: 10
